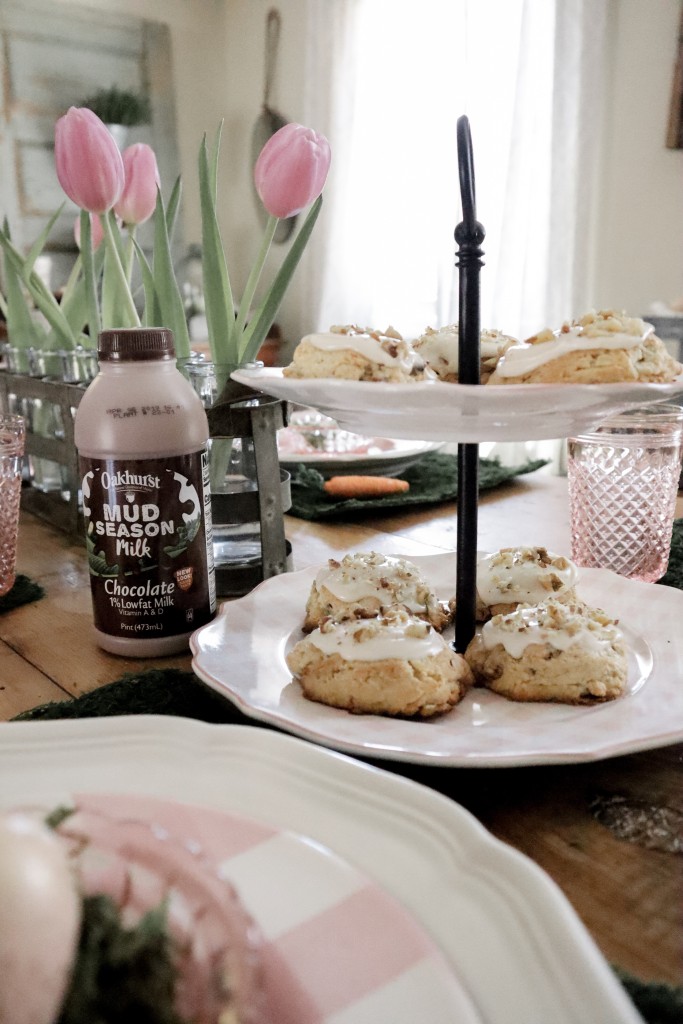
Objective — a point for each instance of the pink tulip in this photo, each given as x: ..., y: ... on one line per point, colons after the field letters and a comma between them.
x: 89, y: 165
x: 96, y: 231
x: 139, y: 195
x: 291, y: 169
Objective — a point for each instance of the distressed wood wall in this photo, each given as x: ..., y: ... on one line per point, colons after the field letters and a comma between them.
x: 52, y: 57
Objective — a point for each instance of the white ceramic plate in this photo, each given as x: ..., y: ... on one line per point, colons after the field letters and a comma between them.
x: 436, y: 411
x: 241, y: 654
x: 386, y: 457
x: 505, y: 928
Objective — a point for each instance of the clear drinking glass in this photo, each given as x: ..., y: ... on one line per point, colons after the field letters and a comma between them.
x: 232, y: 470
x: 623, y: 483
x: 12, y: 439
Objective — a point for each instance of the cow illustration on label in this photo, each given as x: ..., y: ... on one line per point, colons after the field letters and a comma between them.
x: 134, y: 520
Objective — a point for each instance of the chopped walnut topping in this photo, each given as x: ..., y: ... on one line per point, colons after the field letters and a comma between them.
x: 389, y: 347
x: 365, y: 632
x: 609, y: 321
x: 418, y: 629
x: 540, y: 337
x: 352, y: 329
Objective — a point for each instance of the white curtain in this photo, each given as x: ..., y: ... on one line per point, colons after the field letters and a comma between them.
x: 386, y: 83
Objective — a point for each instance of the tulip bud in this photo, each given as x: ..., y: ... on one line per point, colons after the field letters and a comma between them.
x: 96, y: 231
x: 142, y: 181
x: 291, y: 169
x: 88, y: 161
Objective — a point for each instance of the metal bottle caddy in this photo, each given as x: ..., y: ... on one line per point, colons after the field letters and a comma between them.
x: 18, y: 392
x: 241, y: 412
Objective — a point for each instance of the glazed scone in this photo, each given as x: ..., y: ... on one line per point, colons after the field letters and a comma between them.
x: 602, y: 347
x: 523, y: 575
x: 394, y: 664
x: 357, y: 353
x: 439, y: 349
x: 565, y: 653
x: 362, y: 584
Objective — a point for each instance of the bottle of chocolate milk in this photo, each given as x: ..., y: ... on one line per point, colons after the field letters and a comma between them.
x: 141, y: 434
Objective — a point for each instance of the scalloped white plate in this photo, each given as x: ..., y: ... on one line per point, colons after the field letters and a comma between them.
x: 241, y: 655
x: 436, y: 411
x: 304, y: 898
x: 505, y: 929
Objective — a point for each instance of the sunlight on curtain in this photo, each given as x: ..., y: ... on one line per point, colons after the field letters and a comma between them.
x: 388, y: 83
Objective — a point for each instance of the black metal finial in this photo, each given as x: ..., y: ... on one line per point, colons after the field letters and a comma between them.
x: 469, y: 234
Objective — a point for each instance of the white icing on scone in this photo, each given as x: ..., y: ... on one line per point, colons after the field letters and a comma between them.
x: 605, y: 329
x: 396, y: 634
x: 523, y: 575
x: 560, y: 626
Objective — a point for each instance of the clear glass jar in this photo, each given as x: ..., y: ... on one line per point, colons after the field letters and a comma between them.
x: 236, y: 531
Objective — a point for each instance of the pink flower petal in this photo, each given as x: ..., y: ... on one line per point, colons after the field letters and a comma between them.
x: 88, y: 161
x: 291, y: 169
x: 139, y: 195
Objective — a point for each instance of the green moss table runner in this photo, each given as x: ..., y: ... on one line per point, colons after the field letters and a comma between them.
x: 433, y: 479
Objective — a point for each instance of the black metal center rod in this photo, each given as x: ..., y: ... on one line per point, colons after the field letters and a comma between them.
x: 469, y: 235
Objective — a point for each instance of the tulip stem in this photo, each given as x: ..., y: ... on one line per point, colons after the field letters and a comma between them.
x: 252, y: 282
x: 130, y: 250
x: 94, y: 323
x: 129, y: 312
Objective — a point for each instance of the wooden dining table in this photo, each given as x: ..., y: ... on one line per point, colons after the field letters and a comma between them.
x: 625, y: 887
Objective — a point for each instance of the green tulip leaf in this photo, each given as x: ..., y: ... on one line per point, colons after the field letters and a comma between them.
x: 21, y: 328
x: 74, y: 302
x: 40, y: 293
x: 218, y: 300
x: 39, y: 244
x: 152, y: 314
x: 118, y: 307
x: 255, y: 274
x: 213, y: 167
x: 255, y: 334
x: 173, y: 207
x: 167, y: 290
x: 117, y: 299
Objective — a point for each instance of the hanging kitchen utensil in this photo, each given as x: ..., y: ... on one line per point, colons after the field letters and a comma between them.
x: 270, y: 120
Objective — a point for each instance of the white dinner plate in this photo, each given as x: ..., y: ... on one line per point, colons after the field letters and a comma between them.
x: 384, y: 457
x: 241, y: 655
x: 436, y: 411
x: 511, y: 939
x: 312, y: 908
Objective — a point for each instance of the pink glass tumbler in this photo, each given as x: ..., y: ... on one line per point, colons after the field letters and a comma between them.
x: 12, y: 438
x: 623, y: 483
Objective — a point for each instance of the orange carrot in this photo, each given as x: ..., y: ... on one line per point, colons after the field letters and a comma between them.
x: 364, y: 486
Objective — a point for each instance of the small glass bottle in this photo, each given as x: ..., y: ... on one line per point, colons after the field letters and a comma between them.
x: 142, y: 439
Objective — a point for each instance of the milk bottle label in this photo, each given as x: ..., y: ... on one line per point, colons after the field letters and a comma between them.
x: 148, y: 535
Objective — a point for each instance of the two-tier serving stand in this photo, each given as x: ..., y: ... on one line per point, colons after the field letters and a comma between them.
x: 470, y: 413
